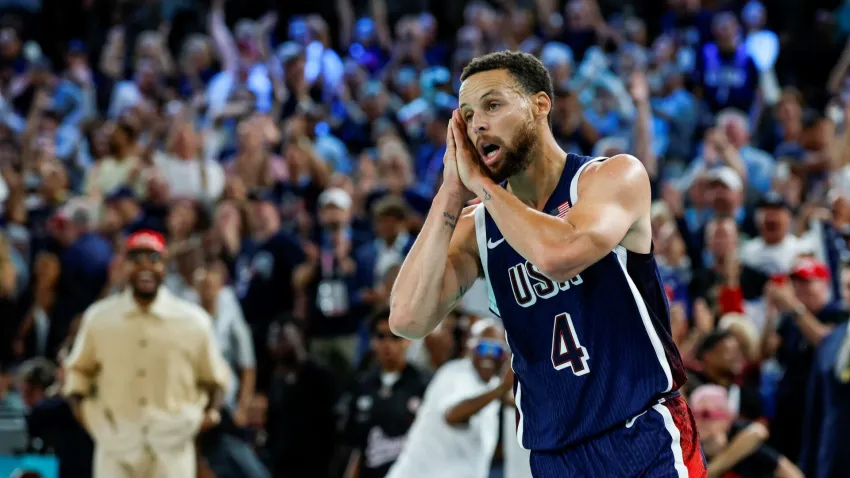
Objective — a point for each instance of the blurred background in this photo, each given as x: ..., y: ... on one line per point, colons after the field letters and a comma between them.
x: 289, y: 152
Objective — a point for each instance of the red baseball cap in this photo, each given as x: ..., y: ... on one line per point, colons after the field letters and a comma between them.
x: 808, y: 268
x: 147, y: 240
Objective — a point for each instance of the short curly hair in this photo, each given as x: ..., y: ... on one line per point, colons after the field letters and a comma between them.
x: 527, y: 70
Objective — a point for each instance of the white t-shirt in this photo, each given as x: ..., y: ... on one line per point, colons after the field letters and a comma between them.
x: 436, y: 449
x: 185, y: 180
x: 775, y: 258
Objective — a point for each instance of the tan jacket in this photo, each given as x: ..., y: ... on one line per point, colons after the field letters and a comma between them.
x: 144, y: 373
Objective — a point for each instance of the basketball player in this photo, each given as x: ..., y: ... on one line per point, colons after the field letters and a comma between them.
x: 564, y: 244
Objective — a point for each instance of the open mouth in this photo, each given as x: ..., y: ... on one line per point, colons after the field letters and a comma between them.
x: 146, y: 279
x: 490, y: 152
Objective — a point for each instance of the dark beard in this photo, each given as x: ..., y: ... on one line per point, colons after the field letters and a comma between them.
x: 519, y: 156
x: 145, y: 296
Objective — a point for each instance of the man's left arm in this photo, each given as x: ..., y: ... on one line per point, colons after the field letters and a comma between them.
x: 614, y: 194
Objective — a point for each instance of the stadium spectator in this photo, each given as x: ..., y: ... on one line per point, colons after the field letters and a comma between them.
x: 51, y: 423
x: 808, y: 315
x: 377, y: 410
x: 144, y: 394
x: 732, y: 445
x: 826, y: 415
x: 457, y: 427
x: 301, y: 397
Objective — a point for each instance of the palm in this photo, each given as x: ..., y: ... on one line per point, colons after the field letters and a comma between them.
x: 453, y: 173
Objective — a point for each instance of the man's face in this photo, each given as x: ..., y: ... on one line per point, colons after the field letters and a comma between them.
x: 388, y: 227
x: 389, y: 349
x: 147, y: 271
x: 499, y: 123
x: 726, y: 357
x: 30, y: 393
x: 490, y: 353
x: 722, y: 237
x: 813, y: 293
x: 724, y: 198
x: 263, y: 214
x: 774, y: 223
x: 333, y: 218
x: 208, y: 282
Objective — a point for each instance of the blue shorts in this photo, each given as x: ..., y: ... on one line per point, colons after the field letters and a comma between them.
x: 659, y: 443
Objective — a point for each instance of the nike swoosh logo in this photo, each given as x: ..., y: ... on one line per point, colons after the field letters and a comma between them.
x: 492, y: 245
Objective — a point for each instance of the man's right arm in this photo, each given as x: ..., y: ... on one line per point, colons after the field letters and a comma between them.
x: 442, y: 265
x: 81, y: 366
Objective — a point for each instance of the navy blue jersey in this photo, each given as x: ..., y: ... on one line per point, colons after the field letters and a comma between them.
x: 589, y: 353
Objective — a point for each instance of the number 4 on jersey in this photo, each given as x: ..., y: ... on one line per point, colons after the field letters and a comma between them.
x: 567, y: 351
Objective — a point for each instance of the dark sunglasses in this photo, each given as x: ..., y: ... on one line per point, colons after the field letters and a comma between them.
x: 490, y: 349
x: 138, y: 256
x: 383, y: 335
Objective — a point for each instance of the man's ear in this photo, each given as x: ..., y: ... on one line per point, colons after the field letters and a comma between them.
x: 541, y: 105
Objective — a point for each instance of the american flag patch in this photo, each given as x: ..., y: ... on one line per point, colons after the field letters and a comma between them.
x: 561, y: 210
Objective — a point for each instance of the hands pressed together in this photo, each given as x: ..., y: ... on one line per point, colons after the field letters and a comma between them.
x: 464, y: 172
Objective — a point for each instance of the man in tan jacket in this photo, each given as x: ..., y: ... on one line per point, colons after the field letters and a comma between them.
x: 145, y: 375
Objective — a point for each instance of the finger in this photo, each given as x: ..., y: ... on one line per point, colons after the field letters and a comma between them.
x: 450, y: 137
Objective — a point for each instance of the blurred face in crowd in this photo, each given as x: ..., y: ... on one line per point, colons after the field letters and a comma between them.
x: 725, y: 360
x: 577, y: 15
x: 264, y: 218
x: 522, y: 24
x: 489, y: 352
x: 725, y: 28
x: 813, y: 293
x: 663, y: 50
x: 818, y: 136
x: 710, y: 406
x: 789, y: 110
x: 31, y: 393
x: 208, y: 282
x: 227, y: 217
x: 146, y: 272
x: 53, y: 178
x: 250, y: 136
x: 10, y: 44
x: 182, y: 219
x: 186, y: 143
x: 736, y: 129
x: 119, y: 138
x: 499, y: 122
x: 334, y: 218
x: 388, y: 227
x: 295, y: 71
x: 469, y: 37
x: 721, y: 237
x: 724, y: 199
x: 146, y: 75
x: 389, y: 349
x: 286, y: 343
x: 197, y: 54
x: 773, y: 223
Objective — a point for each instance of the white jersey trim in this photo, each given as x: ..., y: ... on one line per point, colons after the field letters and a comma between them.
x: 518, y: 402
x: 622, y: 255
x: 574, y: 182
x: 481, y: 236
x: 676, y: 439
x: 654, y: 339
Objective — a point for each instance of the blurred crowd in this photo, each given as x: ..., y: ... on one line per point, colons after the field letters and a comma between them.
x: 289, y: 151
